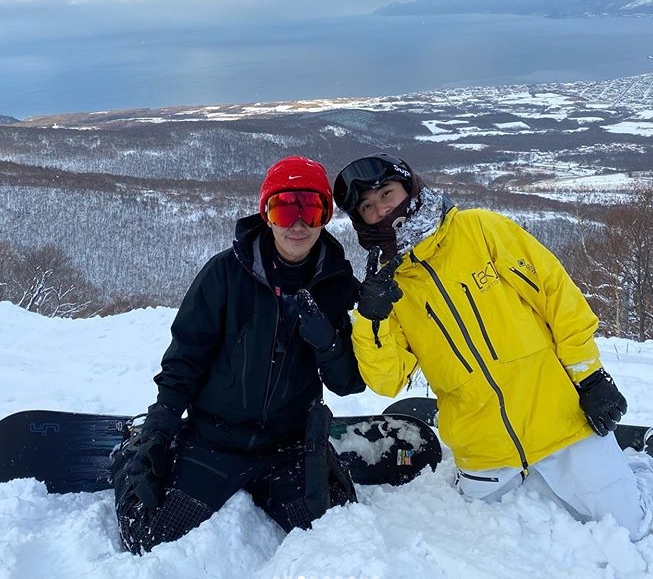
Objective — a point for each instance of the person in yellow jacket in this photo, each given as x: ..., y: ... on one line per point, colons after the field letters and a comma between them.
x: 504, y: 338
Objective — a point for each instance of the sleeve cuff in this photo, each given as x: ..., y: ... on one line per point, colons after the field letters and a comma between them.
x: 333, y: 352
x: 582, y: 370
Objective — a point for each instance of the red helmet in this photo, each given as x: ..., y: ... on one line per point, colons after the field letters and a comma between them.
x: 296, y: 174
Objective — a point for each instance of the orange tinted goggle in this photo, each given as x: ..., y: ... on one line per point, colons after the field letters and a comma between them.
x: 284, y: 209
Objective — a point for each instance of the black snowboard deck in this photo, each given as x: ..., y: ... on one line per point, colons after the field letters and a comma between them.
x: 426, y: 410
x: 69, y: 451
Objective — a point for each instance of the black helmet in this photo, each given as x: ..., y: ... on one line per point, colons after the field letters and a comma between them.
x: 367, y: 173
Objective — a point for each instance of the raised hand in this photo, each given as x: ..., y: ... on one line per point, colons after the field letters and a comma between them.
x: 379, y: 291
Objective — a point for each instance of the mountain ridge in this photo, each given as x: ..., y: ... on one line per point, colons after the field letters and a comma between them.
x: 550, y: 8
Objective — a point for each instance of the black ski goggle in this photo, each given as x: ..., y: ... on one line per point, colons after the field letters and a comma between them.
x: 366, y: 173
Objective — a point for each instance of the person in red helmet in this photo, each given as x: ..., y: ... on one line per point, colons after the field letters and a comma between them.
x: 263, y: 326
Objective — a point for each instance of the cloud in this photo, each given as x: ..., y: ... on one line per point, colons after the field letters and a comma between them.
x: 236, y: 8
x: 46, y: 20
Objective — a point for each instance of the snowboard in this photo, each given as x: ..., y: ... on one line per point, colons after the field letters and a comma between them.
x: 426, y: 409
x: 69, y: 451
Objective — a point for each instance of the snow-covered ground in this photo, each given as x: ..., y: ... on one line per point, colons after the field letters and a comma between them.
x: 421, y: 530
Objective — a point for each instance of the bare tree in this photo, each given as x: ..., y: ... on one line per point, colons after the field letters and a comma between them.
x: 639, y: 233
x: 8, y: 260
x: 614, y: 266
x: 46, y: 283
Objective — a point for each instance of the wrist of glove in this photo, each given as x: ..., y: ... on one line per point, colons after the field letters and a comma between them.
x: 314, y: 327
x: 601, y: 402
x: 377, y: 298
x: 163, y: 420
x: 149, y: 467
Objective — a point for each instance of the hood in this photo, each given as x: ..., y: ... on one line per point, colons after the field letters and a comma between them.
x: 425, y: 215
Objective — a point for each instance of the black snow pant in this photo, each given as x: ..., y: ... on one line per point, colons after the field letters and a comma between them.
x: 204, y: 477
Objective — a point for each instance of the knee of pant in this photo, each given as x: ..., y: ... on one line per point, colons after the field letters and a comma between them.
x: 341, y: 485
x: 298, y: 513
x: 142, y: 529
x: 488, y: 487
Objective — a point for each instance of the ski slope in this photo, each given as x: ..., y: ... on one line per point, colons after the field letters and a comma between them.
x: 421, y: 530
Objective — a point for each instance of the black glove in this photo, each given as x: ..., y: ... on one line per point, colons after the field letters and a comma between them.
x: 148, y: 470
x: 601, y: 402
x: 314, y: 327
x: 379, y: 291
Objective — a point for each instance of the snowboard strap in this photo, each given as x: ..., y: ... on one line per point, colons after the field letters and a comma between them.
x: 316, y: 467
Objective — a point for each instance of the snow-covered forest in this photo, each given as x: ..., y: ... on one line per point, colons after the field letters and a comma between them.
x: 102, y: 212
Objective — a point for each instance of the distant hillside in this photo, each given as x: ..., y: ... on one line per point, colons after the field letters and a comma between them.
x: 139, y: 199
x: 553, y: 8
x: 5, y: 120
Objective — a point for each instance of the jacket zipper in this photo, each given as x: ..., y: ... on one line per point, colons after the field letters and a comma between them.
x: 310, y: 286
x: 431, y: 314
x: 242, y: 375
x: 522, y: 276
x: 267, y: 386
x: 479, y: 319
x: 481, y: 362
x: 478, y: 478
x: 281, y: 363
x: 266, y: 403
x: 268, y: 395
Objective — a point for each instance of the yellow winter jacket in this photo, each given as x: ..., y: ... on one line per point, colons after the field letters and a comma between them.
x: 500, y: 331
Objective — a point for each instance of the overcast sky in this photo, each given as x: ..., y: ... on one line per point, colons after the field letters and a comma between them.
x: 55, y: 18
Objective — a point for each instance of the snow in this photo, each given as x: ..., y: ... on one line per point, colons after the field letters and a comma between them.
x: 334, y: 129
x: 420, y: 530
x: 556, y: 101
x: 631, y: 128
x: 433, y: 127
x: 469, y: 146
x: 510, y: 126
x: 588, y: 119
x: 549, y: 99
x: 556, y: 116
x: 581, y: 186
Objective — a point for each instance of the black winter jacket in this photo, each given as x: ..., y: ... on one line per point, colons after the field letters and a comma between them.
x: 219, y: 364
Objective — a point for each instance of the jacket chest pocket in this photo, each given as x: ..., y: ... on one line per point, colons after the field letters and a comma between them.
x: 234, y: 375
x: 508, y: 326
x: 243, y: 362
x: 448, y: 365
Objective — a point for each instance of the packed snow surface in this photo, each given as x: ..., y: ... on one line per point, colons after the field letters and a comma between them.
x: 423, y: 529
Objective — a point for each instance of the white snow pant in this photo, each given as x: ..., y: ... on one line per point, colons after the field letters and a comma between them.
x: 592, y: 478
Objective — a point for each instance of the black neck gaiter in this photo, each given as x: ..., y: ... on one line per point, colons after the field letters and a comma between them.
x: 383, y: 233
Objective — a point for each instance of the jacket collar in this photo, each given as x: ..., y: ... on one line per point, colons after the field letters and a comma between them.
x: 429, y: 246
